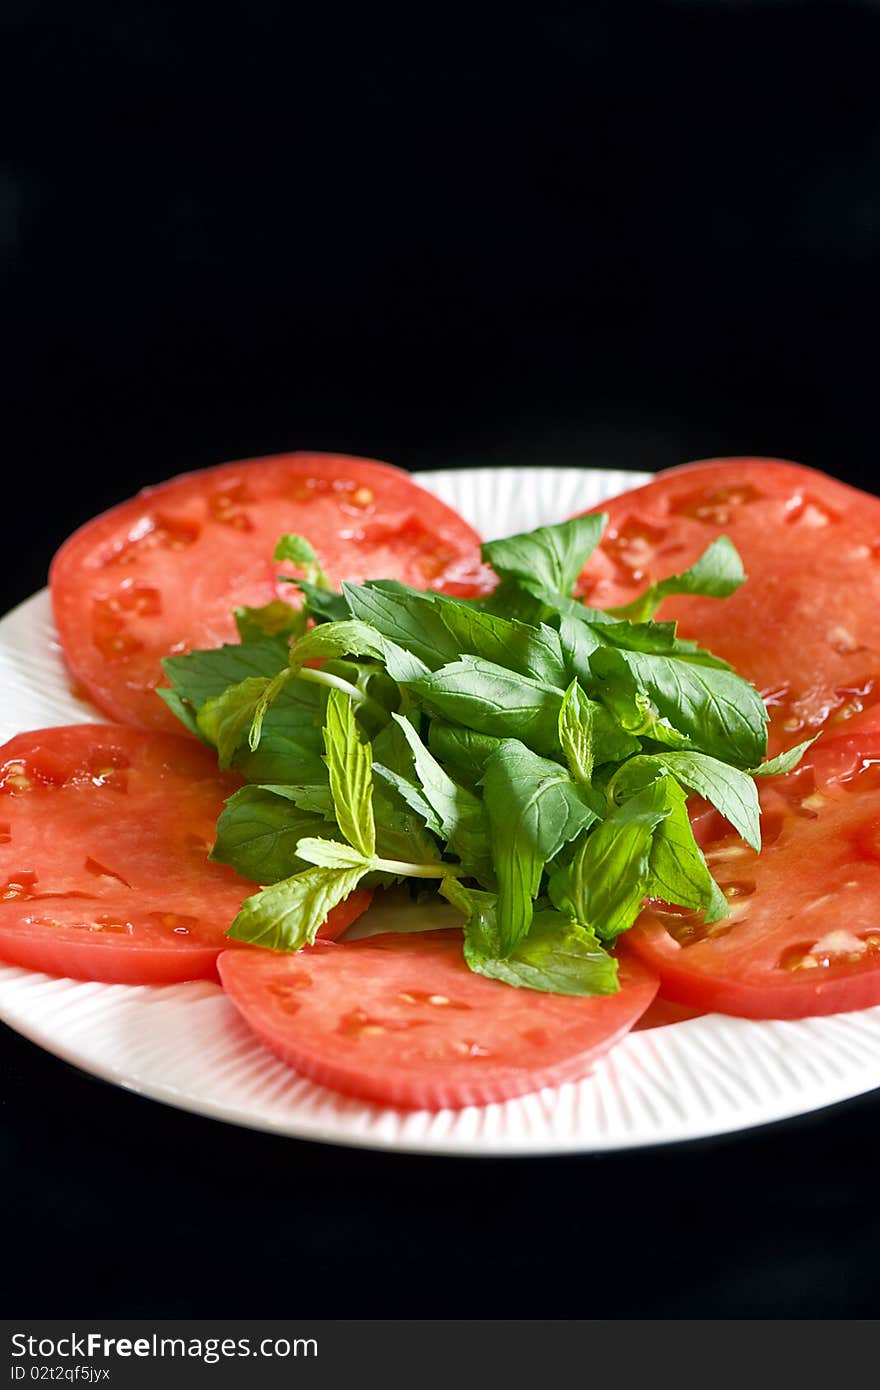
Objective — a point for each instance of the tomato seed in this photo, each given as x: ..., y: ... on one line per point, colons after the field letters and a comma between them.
x: 715, y: 506
x: 806, y: 511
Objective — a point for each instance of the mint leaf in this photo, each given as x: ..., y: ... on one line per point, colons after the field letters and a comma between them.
x: 289, y: 914
x: 350, y: 767
x: 534, y: 808
x: 199, y: 676
x: 784, y: 762
x: 605, y: 880
x: 716, y: 574
x: 224, y: 720
x: 493, y: 700
x: 354, y: 637
x: 550, y: 556
x: 330, y: 854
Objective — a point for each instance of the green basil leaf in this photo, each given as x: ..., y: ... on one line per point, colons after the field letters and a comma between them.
x: 290, y: 746
x: 456, y: 812
x: 721, y: 713
x: 555, y: 607
x: 400, y: 831
x: 730, y: 791
x: 463, y: 751
x: 716, y: 574
x: 275, y: 619
x: 313, y: 798
x: 322, y: 605
x: 603, y: 883
x: 301, y: 552
x: 550, y: 556
x: 784, y: 762
x: 557, y: 957
x: 493, y: 700
x: 413, y: 795
x: 511, y: 599
x: 637, y: 715
x: 576, y: 720
x: 405, y: 617
x: 534, y: 808
x: 257, y: 834
x: 677, y: 870
x: 532, y: 650
x: 401, y: 826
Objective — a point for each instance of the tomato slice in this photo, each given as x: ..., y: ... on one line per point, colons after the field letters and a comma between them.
x: 161, y: 573
x: 803, y: 935
x: 104, y: 870
x: 400, y: 1020
x: 803, y: 627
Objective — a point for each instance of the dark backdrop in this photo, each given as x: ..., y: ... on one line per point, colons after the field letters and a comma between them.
x: 610, y: 233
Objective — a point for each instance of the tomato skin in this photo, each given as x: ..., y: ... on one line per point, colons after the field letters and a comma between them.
x: 162, y: 572
x: 806, y: 938
x: 104, y: 870
x: 802, y: 627
x: 399, y: 1020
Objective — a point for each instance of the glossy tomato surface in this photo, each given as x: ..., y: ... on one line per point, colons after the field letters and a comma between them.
x: 803, y: 627
x: 104, y: 870
x: 162, y: 573
x: 401, y: 1021
x: 803, y: 934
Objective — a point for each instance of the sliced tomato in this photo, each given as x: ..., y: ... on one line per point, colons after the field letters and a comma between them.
x: 162, y: 573
x: 400, y: 1020
x: 663, y: 1012
x: 803, y: 934
x: 104, y: 871
x: 803, y: 627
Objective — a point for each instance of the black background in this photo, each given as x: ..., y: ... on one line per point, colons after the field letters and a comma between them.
x: 619, y: 234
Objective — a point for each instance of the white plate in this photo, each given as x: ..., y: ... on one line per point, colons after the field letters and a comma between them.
x: 185, y: 1045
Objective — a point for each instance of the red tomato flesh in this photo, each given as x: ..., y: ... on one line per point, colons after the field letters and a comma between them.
x: 803, y: 936
x: 803, y: 627
x: 401, y: 1021
x: 162, y: 573
x: 104, y: 871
